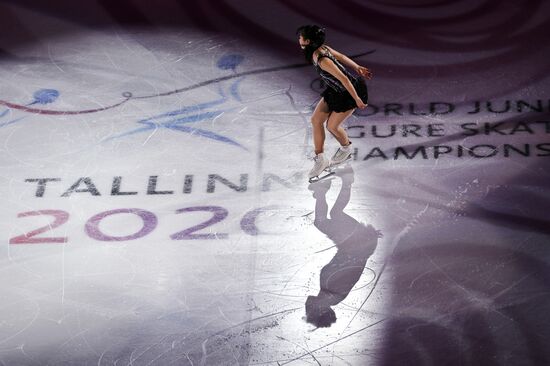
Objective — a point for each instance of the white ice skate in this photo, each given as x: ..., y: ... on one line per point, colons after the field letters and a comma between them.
x: 341, y: 155
x: 320, y: 166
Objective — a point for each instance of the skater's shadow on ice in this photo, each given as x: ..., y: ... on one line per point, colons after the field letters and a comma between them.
x: 355, y: 243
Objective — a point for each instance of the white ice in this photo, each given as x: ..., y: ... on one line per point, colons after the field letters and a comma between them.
x: 212, y: 242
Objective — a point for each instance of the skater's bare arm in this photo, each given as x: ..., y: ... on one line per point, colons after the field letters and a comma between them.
x: 361, y: 70
x: 329, y: 66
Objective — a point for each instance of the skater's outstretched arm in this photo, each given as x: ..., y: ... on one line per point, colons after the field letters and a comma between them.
x: 361, y: 70
x: 329, y: 66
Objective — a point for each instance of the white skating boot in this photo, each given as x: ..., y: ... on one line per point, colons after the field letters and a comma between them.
x: 320, y: 164
x: 342, y: 154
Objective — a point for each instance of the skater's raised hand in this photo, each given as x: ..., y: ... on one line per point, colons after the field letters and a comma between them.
x: 364, y: 72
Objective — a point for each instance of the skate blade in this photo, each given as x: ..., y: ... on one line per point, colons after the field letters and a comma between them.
x: 320, y: 177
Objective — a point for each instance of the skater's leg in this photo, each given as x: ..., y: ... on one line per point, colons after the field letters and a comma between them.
x: 335, y: 121
x: 320, y: 115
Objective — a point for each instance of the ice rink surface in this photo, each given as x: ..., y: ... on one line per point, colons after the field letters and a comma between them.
x: 155, y: 203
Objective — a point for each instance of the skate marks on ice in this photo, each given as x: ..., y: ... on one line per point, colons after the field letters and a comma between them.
x: 467, y: 269
x: 488, y: 278
x: 177, y: 120
x: 446, y: 317
x: 227, y: 62
x: 355, y: 242
x: 229, y: 101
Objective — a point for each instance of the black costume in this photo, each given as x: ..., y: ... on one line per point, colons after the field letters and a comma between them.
x: 336, y: 95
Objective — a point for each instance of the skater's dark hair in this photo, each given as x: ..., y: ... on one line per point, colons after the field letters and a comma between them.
x: 316, y: 36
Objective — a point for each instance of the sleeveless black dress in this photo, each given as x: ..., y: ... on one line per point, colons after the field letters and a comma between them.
x: 336, y: 95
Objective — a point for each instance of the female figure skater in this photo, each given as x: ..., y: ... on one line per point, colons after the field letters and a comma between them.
x: 344, y: 93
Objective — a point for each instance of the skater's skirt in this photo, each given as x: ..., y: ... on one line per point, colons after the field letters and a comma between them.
x: 342, y: 101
